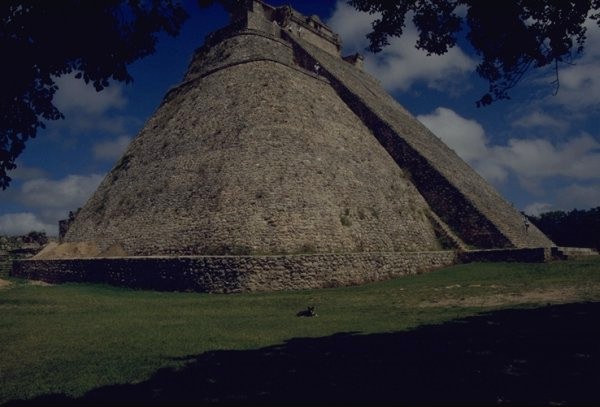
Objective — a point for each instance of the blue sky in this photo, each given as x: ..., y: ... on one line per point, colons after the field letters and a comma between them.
x: 542, y: 152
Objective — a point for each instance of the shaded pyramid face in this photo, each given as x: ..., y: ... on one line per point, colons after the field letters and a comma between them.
x: 261, y: 151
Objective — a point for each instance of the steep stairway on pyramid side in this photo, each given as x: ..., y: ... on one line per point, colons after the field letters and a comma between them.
x: 566, y: 253
x: 458, y: 195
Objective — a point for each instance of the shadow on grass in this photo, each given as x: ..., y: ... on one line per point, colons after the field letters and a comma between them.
x: 542, y: 356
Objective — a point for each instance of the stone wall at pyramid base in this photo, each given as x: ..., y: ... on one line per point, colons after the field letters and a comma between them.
x: 230, y: 274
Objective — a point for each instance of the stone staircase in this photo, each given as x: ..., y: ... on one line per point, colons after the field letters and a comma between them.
x: 449, y: 234
x: 473, y: 209
x: 564, y: 253
x: 5, y: 265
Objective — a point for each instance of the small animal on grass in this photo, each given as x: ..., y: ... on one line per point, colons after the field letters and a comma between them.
x: 308, y: 312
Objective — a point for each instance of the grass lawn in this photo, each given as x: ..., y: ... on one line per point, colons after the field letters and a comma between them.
x: 70, y: 339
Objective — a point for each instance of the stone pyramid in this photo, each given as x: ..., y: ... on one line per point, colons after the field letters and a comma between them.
x: 275, y: 149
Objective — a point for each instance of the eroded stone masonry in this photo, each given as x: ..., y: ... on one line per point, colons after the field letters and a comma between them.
x: 278, y: 163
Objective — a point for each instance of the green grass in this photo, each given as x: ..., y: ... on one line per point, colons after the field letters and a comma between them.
x: 75, y: 337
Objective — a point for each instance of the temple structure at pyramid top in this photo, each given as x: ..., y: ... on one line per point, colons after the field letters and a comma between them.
x: 277, y: 163
x: 260, y: 16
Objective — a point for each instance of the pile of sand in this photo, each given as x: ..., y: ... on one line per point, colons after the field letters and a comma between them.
x: 115, y: 250
x: 78, y: 250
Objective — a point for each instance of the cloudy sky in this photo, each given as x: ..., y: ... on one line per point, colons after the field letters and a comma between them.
x: 542, y: 152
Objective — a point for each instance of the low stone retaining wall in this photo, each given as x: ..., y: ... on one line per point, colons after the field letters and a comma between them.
x: 528, y: 255
x: 235, y: 273
x: 226, y: 274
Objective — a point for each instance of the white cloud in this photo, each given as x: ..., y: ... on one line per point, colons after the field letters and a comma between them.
x: 74, y: 95
x: 537, y: 208
x: 464, y: 136
x: 538, y: 158
x: 579, y: 197
x: 50, y: 201
x: 13, y: 224
x: 579, y: 87
x: 537, y: 119
x: 580, y: 82
x: 352, y: 25
x: 68, y: 193
x: 88, y: 111
x: 467, y: 138
x: 78, y: 122
x: 531, y: 160
x: 400, y: 64
x: 112, y: 149
x: 24, y: 172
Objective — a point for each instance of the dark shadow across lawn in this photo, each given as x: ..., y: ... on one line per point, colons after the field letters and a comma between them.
x: 542, y: 356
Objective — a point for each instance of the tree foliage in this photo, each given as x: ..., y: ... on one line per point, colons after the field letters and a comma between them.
x: 35, y: 237
x: 577, y: 228
x: 510, y: 37
x: 41, y: 40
